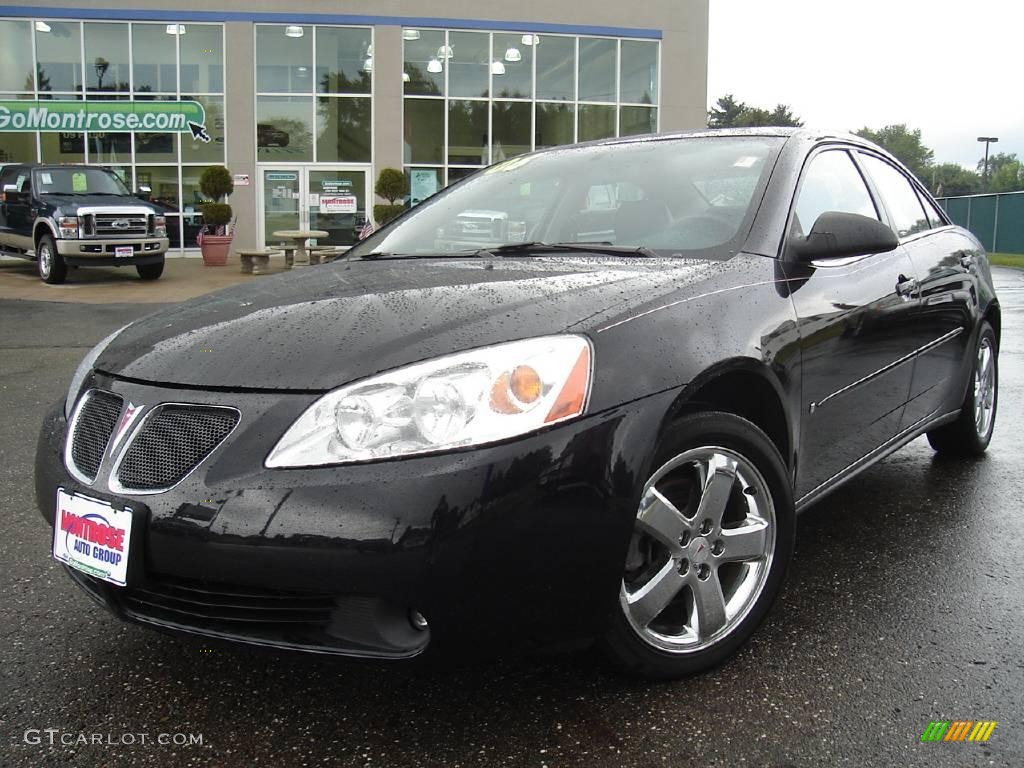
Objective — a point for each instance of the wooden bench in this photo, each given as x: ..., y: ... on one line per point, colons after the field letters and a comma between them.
x: 256, y: 261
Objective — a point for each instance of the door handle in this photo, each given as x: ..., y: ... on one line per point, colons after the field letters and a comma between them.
x: 906, y: 287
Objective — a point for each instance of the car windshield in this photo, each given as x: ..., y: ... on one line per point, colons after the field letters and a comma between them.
x: 78, y: 181
x: 687, y: 196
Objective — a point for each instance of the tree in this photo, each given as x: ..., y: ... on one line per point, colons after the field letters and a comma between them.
x: 730, y: 113
x: 952, y: 180
x: 391, y: 185
x: 1005, y: 172
x: 906, y: 145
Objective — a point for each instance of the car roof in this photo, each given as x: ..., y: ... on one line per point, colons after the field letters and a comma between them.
x: 806, y: 134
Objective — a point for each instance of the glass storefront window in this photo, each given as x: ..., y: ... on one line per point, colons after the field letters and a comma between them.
x: 639, y: 72
x: 597, y: 69
x: 514, y: 78
x: 469, y: 65
x: 556, y: 67
x: 423, y: 131
x: 16, y: 56
x: 154, y: 59
x: 343, y: 129
x: 424, y: 60
x: 636, y: 120
x: 201, y: 47
x: 200, y: 151
x: 18, y: 148
x: 596, y: 122
x: 467, y: 132
x: 556, y: 124
x: 455, y: 174
x: 62, y: 147
x: 59, y: 56
x: 344, y: 60
x: 109, y: 147
x: 423, y: 182
x: 284, y: 58
x: 106, y: 57
x: 284, y: 128
x: 512, y: 125
x: 124, y: 173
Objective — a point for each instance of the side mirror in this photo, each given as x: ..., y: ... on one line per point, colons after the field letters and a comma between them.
x: 836, y: 235
x: 11, y: 194
x: 144, y: 192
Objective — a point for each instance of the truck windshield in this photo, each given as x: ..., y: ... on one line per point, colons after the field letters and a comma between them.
x: 691, y: 196
x: 78, y: 181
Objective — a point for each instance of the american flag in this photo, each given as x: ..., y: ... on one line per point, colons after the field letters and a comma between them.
x: 366, y: 230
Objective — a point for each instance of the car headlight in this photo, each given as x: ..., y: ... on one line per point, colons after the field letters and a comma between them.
x: 68, y: 226
x: 160, y: 226
x: 470, y: 398
x: 84, y: 368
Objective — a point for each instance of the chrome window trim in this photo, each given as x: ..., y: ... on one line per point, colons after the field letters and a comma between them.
x: 114, y: 483
x: 69, y: 462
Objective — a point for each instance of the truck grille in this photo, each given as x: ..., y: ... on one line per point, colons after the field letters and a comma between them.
x: 97, y: 417
x: 118, y: 225
x: 172, y: 442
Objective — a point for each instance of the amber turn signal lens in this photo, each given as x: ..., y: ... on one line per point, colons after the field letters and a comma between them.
x: 525, y: 384
x: 573, y: 396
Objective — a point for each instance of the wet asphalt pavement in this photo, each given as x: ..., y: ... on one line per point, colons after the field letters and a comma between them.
x: 905, y: 604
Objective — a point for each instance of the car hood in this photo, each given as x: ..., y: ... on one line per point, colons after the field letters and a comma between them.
x: 70, y: 204
x: 319, y: 328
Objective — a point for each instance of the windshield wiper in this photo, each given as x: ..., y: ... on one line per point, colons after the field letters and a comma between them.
x: 427, y: 255
x: 539, y: 246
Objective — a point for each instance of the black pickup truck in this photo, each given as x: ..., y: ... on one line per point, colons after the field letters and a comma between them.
x: 75, y: 216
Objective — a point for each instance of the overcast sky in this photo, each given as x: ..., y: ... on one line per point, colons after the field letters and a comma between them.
x: 953, y: 69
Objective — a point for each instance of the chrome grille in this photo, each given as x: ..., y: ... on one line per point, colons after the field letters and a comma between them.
x: 118, y: 225
x: 97, y: 417
x: 171, y: 442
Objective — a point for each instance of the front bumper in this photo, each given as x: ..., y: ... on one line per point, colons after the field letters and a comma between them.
x: 100, y: 251
x: 519, y: 544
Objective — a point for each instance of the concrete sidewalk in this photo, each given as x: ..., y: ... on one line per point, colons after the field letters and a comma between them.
x: 183, y: 279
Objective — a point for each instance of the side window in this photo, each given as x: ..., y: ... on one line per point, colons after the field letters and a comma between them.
x: 831, y: 183
x: 934, y: 214
x: 908, y: 216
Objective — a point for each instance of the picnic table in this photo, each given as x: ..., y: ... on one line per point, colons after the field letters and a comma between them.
x: 299, y: 237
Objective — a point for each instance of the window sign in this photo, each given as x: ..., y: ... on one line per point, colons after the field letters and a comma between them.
x: 76, y: 116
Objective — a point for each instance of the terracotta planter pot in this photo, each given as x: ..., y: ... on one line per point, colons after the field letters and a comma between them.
x: 215, y: 250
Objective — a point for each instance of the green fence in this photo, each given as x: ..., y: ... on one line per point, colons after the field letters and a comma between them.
x: 996, y: 220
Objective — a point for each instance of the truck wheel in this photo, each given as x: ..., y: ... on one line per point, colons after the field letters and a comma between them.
x: 52, y: 267
x: 150, y: 271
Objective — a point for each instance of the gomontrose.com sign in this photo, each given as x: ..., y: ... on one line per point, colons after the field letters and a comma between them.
x: 77, y: 116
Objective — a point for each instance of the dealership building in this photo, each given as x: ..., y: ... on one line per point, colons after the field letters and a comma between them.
x: 306, y: 101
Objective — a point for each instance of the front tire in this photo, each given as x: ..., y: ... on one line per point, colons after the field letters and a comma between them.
x: 972, y: 431
x: 150, y: 271
x: 713, y: 537
x: 51, y: 265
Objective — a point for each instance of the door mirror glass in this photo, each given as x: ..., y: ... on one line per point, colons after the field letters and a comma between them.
x: 144, y: 192
x: 837, y: 235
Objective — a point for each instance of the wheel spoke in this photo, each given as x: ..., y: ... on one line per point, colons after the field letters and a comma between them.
x: 747, y: 542
x: 661, y: 520
x: 651, y: 599
x: 709, y: 605
x: 717, y: 489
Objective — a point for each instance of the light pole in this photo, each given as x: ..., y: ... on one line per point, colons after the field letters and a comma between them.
x: 987, y: 140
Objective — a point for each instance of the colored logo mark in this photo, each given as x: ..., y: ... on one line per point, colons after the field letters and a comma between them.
x: 959, y: 730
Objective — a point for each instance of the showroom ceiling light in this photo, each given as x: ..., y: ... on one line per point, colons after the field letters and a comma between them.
x: 445, y: 52
x: 294, y: 30
x: 531, y: 40
x: 42, y: 26
x: 410, y: 34
x: 434, y: 66
x: 497, y: 67
x: 175, y: 29
x: 513, y: 54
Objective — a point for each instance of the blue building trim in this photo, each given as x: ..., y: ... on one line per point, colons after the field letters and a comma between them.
x: 174, y: 15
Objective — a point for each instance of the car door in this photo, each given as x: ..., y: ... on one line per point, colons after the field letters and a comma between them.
x: 17, y: 207
x: 941, y: 313
x: 856, y: 357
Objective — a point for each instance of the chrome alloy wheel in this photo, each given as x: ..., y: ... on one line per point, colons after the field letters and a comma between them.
x: 984, y: 388
x: 45, y: 256
x: 701, y: 550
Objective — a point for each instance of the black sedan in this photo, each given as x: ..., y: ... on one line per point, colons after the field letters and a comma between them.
x: 579, y: 396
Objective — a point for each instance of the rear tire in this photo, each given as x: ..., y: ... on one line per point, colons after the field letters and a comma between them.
x: 972, y: 431
x: 712, y: 541
x: 150, y: 271
x: 50, y: 264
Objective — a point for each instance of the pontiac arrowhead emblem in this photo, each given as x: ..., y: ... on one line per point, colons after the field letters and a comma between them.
x: 131, y: 412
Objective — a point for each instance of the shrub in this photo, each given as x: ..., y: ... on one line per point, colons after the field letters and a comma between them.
x: 216, y: 215
x: 391, y: 185
x: 216, y: 183
x: 385, y: 212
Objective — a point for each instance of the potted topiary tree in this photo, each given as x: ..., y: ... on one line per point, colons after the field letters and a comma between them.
x: 215, y: 237
x: 391, y: 185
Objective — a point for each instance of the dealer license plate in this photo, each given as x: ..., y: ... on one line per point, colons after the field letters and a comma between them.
x: 123, y: 251
x: 92, y: 536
